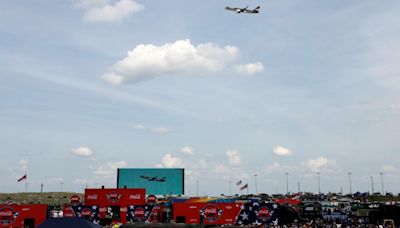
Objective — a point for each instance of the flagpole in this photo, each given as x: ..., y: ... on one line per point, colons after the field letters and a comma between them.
x: 26, y: 183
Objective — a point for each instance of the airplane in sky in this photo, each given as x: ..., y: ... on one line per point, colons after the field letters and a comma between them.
x: 244, y: 10
x: 154, y: 178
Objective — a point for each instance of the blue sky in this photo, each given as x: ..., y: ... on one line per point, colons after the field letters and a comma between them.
x: 87, y: 86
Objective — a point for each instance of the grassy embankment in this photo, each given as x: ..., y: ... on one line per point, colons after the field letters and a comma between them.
x: 49, y: 198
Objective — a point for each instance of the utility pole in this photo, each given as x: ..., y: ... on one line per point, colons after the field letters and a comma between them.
x: 61, y: 186
x: 298, y: 187
x: 383, y: 190
x: 41, y: 188
x: 255, y: 182
x: 287, y: 183
x: 349, y: 173
x: 319, y: 186
x: 372, y: 186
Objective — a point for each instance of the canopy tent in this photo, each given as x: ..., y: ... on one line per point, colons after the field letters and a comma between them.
x: 67, y: 223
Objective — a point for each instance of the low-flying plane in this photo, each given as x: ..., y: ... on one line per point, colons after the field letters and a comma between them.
x: 244, y: 10
x: 154, y: 178
x: 162, y: 179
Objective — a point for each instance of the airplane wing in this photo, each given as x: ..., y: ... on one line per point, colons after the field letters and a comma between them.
x: 162, y: 179
x: 232, y: 8
x: 255, y: 10
x: 153, y: 178
x: 144, y: 177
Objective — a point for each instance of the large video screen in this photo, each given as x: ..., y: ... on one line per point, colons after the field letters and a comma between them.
x: 161, y: 181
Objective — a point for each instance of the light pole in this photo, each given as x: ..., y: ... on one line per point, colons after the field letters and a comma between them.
x: 230, y: 188
x: 255, y: 182
x: 61, y: 185
x: 298, y: 187
x: 383, y: 191
x: 287, y: 183
x: 349, y: 173
x: 319, y: 186
x: 372, y: 186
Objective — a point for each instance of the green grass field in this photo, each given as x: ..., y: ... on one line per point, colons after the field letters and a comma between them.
x: 49, y: 198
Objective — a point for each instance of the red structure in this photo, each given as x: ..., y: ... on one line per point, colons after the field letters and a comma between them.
x: 112, y: 205
x: 115, y: 197
x: 206, y: 213
x: 227, y: 211
x: 22, y: 215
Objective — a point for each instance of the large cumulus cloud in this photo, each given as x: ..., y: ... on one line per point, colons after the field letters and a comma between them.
x: 147, y: 61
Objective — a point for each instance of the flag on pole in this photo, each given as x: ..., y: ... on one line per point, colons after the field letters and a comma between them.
x: 239, y: 183
x: 22, y: 178
x: 244, y: 186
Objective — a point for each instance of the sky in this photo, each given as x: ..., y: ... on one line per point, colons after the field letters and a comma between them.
x: 303, y: 87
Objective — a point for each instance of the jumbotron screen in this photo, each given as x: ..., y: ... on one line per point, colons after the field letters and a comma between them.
x: 157, y: 181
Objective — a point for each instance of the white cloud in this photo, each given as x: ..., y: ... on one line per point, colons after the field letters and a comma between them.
x: 221, y: 169
x: 187, y: 150
x: 82, y: 151
x: 170, y: 161
x: 113, y: 78
x: 233, y: 157
x: 160, y: 130
x: 149, y: 61
x: 109, y: 170
x: 317, y: 164
x: 389, y: 169
x: 23, y: 164
x: 282, y: 151
x: 250, y: 68
x: 138, y: 127
x: 110, y: 12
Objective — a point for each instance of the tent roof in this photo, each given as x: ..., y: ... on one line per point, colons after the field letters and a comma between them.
x: 67, y: 222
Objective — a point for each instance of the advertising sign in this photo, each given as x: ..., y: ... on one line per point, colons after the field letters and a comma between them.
x: 115, y: 197
x: 160, y: 181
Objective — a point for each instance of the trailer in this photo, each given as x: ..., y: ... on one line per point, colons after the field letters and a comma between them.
x: 105, y: 206
x: 225, y: 211
x: 27, y: 216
